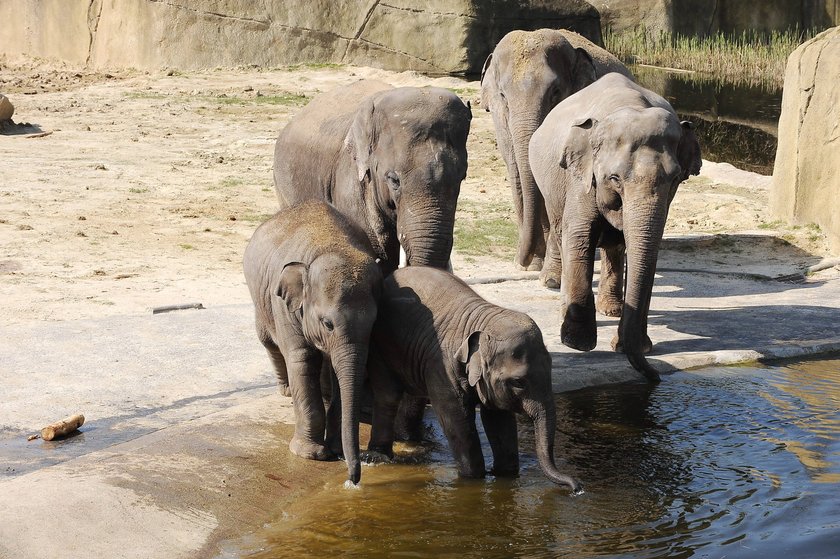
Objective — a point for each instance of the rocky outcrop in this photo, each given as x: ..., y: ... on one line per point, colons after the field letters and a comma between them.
x: 432, y: 36
x: 806, y: 176
x: 704, y: 17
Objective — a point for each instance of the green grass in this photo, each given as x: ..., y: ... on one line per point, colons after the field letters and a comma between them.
x: 485, y: 229
x: 463, y: 91
x: 285, y: 99
x: 134, y: 190
x: 749, y: 58
x: 186, y: 246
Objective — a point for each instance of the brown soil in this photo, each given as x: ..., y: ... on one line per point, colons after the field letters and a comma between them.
x: 150, y: 184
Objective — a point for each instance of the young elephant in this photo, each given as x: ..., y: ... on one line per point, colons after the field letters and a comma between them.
x: 435, y: 337
x: 608, y: 161
x: 315, y: 284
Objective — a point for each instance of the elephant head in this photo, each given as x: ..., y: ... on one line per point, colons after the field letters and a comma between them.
x: 527, y: 74
x: 634, y: 158
x: 509, y: 367
x: 336, y: 302
x: 408, y: 146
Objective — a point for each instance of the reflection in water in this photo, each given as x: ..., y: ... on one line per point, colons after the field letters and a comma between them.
x: 734, y: 124
x: 737, y: 462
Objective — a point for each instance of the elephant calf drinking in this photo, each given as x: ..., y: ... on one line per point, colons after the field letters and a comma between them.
x: 315, y: 284
x: 437, y: 338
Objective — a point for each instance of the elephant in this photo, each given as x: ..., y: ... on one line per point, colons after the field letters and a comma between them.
x: 608, y: 161
x: 435, y: 337
x: 390, y: 159
x: 525, y: 76
x: 315, y: 284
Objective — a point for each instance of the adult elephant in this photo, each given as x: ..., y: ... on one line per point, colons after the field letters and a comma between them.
x: 435, y: 337
x: 608, y: 161
x: 390, y: 159
x: 525, y: 76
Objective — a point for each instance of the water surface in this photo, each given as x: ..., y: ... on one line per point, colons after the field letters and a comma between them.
x: 731, y: 462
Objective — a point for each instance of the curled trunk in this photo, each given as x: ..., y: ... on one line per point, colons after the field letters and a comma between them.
x: 545, y: 420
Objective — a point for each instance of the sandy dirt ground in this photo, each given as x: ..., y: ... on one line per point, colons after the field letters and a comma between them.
x: 146, y: 187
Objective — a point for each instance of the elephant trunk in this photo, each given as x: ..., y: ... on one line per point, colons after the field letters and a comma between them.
x: 644, y: 224
x: 350, y: 366
x: 427, y: 238
x: 545, y: 419
x: 534, y: 223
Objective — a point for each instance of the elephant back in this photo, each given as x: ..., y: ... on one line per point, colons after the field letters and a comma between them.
x: 309, y: 145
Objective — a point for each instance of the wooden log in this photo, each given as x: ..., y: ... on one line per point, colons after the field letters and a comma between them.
x: 63, y: 427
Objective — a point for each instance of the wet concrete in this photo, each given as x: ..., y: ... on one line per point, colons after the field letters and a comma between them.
x: 186, y: 438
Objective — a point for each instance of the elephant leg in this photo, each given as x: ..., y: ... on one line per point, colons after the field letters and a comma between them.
x: 408, y: 424
x: 277, y: 360
x: 611, y: 281
x: 579, y: 330
x: 617, y: 344
x: 304, y: 367
x: 552, y: 270
x: 500, y: 427
x: 387, y: 393
x: 457, y: 418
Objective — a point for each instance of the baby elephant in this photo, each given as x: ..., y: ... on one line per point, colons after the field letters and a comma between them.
x: 435, y: 337
x: 315, y: 284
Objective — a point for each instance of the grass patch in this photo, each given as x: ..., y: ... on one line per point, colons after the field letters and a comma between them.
x: 749, y: 58
x: 463, y: 91
x: 186, y: 246
x: 315, y: 66
x: 285, y: 99
x: 134, y: 190
x: 485, y: 229
x: 771, y: 225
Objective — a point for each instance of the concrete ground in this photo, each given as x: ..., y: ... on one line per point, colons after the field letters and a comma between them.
x: 185, y: 442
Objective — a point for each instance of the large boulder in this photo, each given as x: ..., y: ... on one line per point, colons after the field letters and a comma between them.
x: 806, y: 176
x: 433, y: 36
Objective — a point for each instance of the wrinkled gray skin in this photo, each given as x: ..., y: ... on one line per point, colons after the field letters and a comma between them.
x: 527, y: 74
x: 315, y: 284
x: 608, y: 161
x: 435, y: 337
x: 392, y: 160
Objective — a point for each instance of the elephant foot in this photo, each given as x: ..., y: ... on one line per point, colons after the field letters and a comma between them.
x: 285, y: 390
x: 609, y: 307
x: 618, y: 346
x: 310, y: 450
x: 375, y: 457
x: 581, y: 339
x: 550, y: 277
x: 536, y: 264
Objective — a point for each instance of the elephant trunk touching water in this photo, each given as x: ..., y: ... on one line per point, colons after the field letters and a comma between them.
x: 435, y: 337
x: 544, y: 417
x: 348, y: 363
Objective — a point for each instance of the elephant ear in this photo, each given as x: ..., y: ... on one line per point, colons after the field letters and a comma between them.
x: 361, y: 138
x: 583, y: 71
x: 291, y: 286
x: 472, y: 354
x: 688, y: 151
x: 577, y: 152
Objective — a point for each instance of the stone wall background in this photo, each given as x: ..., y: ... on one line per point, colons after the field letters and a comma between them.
x: 430, y: 36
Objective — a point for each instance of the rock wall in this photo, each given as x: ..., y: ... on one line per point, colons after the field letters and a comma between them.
x: 704, y: 17
x: 806, y: 176
x: 432, y: 36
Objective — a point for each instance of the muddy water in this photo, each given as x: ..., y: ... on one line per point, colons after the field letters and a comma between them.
x: 734, y: 462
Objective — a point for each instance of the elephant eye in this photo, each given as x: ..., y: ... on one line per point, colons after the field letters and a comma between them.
x: 328, y: 324
x: 393, y: 180
x: 614, y: 178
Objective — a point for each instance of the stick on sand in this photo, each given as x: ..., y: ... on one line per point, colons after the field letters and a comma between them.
x: 63, y: 427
